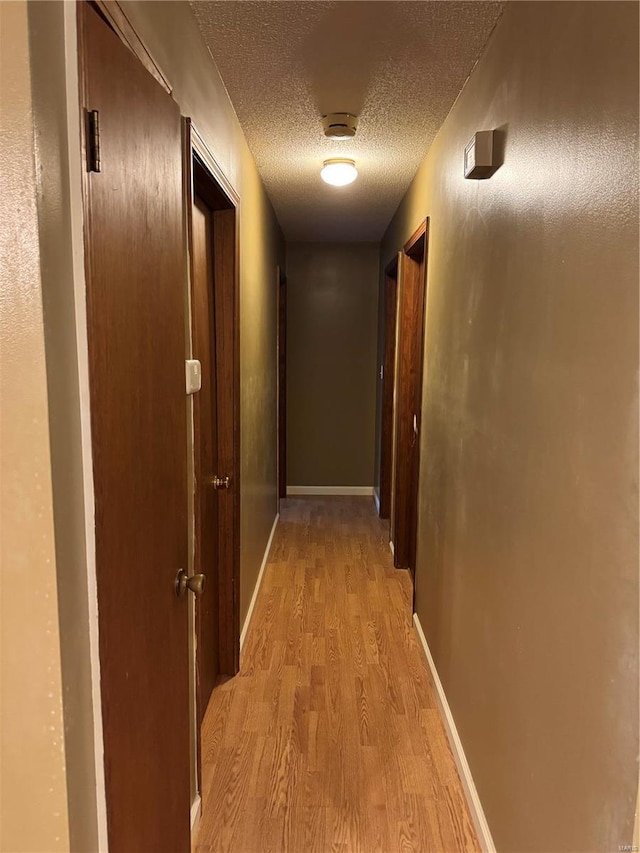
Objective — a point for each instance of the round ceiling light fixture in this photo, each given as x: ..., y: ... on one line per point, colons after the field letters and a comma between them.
x: 340, y: 125
x: 339, y: 172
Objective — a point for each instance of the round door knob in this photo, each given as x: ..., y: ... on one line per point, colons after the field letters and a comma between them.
x: 195, y: 583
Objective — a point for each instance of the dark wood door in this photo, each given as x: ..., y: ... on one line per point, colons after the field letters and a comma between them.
x: 388, y: 385
x: 206, y: 453
x: 282, y: 383
x: 228, y: 432
x: 409, y: 395
x: 134, y: 254
x: 211, y: 225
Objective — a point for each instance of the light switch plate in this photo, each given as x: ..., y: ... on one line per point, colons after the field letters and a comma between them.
x: 194, y: 375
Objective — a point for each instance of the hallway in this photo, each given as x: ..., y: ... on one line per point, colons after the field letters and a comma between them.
x: 319, y: 444
x: 330, y: 737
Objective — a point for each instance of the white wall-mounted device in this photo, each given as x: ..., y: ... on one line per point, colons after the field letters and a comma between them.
x: 194, y: 375
x: 480, y: 155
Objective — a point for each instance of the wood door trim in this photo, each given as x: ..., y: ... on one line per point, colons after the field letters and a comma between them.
x: 416, y: 248
x: 391, y: 269
x: 116, y: 17
x: 212, y: 165
x: 412, y: 289
x: 228, y: 338
x: 205, y: 451
x: 411, y: 247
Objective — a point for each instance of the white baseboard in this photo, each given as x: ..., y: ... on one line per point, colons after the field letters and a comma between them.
x: 365, y: 491
x: 376, y: 500
x: 391, y: 548
x: 256, y: 589
x: 473, y: 800
x: 196, y: 814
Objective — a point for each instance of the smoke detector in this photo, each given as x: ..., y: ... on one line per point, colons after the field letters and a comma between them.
x: 340, y: 125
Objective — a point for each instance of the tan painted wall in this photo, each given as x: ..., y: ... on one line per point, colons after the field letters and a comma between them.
x: 527, y: 577
x: 332, y: 308
x: 33, y: 800
x: 60, y: 262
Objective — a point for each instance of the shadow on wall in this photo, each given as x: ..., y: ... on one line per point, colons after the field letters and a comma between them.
x: 328, y: 62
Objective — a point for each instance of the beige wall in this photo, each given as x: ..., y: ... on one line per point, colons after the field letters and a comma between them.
x: 332, y: 307
x: 527, y: 577
x: 61, y: 266
x: 33, y: 801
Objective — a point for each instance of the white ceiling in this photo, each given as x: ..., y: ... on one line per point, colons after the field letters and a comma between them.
x: 397, y: 65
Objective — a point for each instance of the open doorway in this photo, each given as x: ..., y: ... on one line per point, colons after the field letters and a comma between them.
x: 212, y: 239
x: 412, y: 290
x: 388, y: 386
x: 281, y: 284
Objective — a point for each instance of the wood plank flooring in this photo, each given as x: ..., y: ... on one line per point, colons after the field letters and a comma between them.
x: 330, y: 739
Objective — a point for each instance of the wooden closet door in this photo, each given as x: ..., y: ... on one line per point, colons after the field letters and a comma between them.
x: 135, y: 300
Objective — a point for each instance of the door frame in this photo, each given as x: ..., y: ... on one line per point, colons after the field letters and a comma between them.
x: 116, y: 18
x: 411, y: 320
x: 281, y: 284
x: 201, y: 168
x: 388, y: 384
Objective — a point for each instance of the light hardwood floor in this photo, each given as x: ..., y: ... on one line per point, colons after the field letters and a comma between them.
x: 330, y: 739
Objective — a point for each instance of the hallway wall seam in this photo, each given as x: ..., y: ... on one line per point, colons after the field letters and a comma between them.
x: 471, y: 793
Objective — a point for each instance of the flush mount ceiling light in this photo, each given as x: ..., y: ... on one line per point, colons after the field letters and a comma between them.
x: 339, y: 172
x: 340, y: 125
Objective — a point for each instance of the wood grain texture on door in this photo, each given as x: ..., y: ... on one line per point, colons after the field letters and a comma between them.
x: 281, y: 283
x: 228, y: 427
x: 205, y: 453
x: 388, y: 386
x: 212, y: 229
x: 134, y: 254
x: 409, y: 397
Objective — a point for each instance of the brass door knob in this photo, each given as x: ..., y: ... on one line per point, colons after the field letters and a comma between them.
x: 195, y: 583
x: 219, y: 482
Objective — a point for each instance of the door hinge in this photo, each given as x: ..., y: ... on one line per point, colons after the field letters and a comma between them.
x: 93, y: 141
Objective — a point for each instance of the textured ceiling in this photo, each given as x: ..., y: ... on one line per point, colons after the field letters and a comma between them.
x: 397, y: 65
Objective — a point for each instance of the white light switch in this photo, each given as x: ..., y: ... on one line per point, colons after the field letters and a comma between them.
x: 194, y: 375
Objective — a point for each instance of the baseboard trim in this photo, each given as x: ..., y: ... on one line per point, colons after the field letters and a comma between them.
x: 391, y: 548
x: 256, y: 589
x: 365, y: 491
x: 376, y: 500
x: 196, y: 814
x: 473, y: 800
